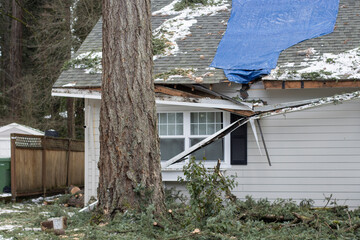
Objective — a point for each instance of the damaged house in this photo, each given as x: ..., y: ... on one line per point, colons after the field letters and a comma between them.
x: 288, y: 132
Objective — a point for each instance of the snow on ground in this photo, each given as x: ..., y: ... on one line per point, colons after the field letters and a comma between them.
x: 40, y: 200
x: 3, y: 195
x: 345, y: 65
x: 3, y: 211
x: 9, y: 227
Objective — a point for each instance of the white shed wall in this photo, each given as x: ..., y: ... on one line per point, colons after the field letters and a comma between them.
x: 5, y: 142
x: 314, y: 153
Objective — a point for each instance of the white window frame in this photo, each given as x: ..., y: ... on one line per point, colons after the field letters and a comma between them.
x: 187, y: 135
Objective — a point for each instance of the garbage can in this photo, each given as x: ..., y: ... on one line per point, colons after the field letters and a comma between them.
x: 5, y: 173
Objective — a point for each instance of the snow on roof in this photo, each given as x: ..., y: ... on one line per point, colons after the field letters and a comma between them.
x: 344, y: 65
x: 173, y: 29
x: 21, y: 127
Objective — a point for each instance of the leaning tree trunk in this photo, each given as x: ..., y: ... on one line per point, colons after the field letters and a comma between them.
x: 129, y: 164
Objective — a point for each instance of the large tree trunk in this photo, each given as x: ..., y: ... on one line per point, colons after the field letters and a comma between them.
x: 15, y: 57
x: 129, y: 164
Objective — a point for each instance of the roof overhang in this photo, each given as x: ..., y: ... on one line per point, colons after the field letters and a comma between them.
x: 240, y: 108
x: 76, y: 93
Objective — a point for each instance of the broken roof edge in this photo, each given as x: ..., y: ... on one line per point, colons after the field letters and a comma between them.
x: 316, y: 83
x: 205, y: 102
x: 307, y: 104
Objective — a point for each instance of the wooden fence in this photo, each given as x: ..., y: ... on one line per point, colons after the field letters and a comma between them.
x: 40, y: 164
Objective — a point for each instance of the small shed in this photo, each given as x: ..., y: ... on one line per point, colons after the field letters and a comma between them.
x: 5, y: 141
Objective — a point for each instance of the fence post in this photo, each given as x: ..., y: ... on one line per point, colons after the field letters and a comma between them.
x: 68, y: 179
x: 43, y: 165
x: 13, y: 168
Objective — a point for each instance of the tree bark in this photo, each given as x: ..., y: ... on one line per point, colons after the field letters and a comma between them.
x: 15, y: 56
x: 70, y: 101
x: 5, y: 25
x: 130, y: 170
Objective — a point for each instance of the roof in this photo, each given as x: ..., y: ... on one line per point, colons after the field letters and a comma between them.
x: 19, y: 128
x: 204, y: 30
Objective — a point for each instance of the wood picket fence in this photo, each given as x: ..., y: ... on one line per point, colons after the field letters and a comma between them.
x: 41, y: 164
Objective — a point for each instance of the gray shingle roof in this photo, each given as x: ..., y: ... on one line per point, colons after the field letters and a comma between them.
x: 198, y: 49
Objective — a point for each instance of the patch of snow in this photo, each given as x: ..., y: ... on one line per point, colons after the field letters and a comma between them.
x: 2, y: 238
x: 63, y: 114
x: 47, y: 116
x: 4, y: 211
x: 31, y: 229
x: 73, y: 84
x: 40, y: 200
x: 344, y: 65
x: 5, y: 195
x: 179, y: 26
x: 9, y: 227
x: 70, y: 214
x: 95, y: 57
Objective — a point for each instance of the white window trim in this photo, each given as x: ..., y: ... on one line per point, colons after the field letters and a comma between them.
x: 168, y: 173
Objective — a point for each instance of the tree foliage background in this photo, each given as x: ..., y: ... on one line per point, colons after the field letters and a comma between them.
x: 52, y: 30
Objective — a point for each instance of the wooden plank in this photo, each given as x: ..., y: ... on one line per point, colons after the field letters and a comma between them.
x: 293, y: 85
x: 174, y: 92
x: 239, y: 112
x: 43, y: 158
x: 296, y: 84
x: 13, y: 169
x: 332, y: 84
x: 68, y: 177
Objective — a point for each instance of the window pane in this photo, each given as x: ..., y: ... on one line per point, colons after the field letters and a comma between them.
x: 202, y: 129
x: 218, y: 127
x: 163, y: 118
x: 179, y: 129
x: 218, y: 117
x: 171, y: 147
x: 179, y: 118
x: 194, y: 117
x: 170, y: 124
x: 202, y: 117
x: 210, y: 117
x: 210, y: 128
x: 171, y: 129
x: 171, y: 117
x: 194, y: 129
x: 212, y: 152
x: 163, y: 130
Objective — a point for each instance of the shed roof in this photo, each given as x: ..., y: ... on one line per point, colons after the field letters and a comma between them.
x: 333, y: 56
x: 18, y: 128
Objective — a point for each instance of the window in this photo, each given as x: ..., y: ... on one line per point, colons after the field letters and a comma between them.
x: 179, y: 131
x: 203, y: 124
x: 171, y: 132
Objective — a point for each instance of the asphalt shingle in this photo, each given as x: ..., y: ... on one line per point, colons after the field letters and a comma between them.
x: 198, y: 49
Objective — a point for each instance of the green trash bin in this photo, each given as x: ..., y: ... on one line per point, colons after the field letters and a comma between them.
x: 5, y: 173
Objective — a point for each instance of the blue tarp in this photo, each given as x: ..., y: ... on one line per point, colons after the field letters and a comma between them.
x: 258, y: 30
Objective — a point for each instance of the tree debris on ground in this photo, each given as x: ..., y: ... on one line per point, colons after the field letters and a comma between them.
x: 200, y: 217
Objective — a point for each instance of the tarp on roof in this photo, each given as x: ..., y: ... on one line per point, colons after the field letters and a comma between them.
x: 258, y: 30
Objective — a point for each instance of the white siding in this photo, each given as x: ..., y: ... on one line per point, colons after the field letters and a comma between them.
x: 92, y: 147
x: 314, y: 153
